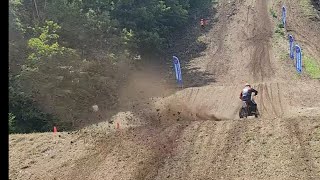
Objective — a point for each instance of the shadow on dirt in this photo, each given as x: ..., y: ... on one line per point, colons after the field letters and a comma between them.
x: 187, y: 46
x: 316, y: 5
x: 196, y: 78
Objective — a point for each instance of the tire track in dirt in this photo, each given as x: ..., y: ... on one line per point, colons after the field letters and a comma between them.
x: 207, y: 103
x: 140, y: 151
x: 242, y: 52
x: 87, y: 165
x: 260, y: 62
x: 206, y: 140
x: 196, y: 148
x: 270, y: 100
x: 267, y: 149
x: 214, y: 64
x: 300, y: 145
x: 224, y: 158
x: 223, y: 103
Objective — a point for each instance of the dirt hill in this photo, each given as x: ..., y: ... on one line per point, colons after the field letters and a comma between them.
x: 195, y: 133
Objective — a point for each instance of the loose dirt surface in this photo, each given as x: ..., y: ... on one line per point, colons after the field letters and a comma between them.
x: 195, y: 133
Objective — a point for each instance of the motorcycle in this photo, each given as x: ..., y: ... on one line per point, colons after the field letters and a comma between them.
x: 249, y: 108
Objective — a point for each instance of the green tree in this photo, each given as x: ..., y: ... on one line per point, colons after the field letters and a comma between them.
x: 63, y: 53
x: 46, y: 45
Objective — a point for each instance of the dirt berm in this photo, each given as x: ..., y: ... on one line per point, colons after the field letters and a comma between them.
x: 196, y: 133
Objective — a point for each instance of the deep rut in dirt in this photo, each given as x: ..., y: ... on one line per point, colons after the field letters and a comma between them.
x: 259, y: 39
x: 269, y: 149
x: 270, y: 100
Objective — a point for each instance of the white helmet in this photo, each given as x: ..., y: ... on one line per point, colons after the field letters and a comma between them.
x: 247, y: 84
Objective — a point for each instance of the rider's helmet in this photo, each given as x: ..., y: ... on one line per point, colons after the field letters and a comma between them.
x: 247, y: 84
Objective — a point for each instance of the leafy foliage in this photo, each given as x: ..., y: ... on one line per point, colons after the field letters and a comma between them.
x: 273, y: 13
x: 24, y: 114
x: 46, y: 45
x: 63, y: 53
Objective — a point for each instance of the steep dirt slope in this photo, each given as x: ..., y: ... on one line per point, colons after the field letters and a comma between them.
x: 196, y: 133
x: 241, y: 49
x: 304, y: 25
x: 284, y: 143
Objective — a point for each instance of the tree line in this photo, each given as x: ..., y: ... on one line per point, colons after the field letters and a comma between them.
x: 63, y: 53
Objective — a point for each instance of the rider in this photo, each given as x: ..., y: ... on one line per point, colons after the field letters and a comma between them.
x: 245, y: 94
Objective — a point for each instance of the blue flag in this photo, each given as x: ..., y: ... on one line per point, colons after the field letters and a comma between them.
x: 177, y: 68
x: 291, y: 47
x: 298, y: 59
x: 284, y: 16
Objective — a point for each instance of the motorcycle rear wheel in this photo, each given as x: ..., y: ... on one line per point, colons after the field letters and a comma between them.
x: 243, y: 113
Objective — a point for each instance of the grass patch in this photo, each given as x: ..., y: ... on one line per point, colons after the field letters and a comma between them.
x: 311, y: 67
x: 201, y: 39
x: 296, y: 76
x: 280, y: 26
x: 280, y: 30
x: 273, y: 13
x: 284, y: 55
x: 307, y: 8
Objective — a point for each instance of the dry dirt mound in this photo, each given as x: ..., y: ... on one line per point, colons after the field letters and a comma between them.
x: 204, y: 149
x: 196, y: 133
x: 268, y: 149
x: 275, y: 100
